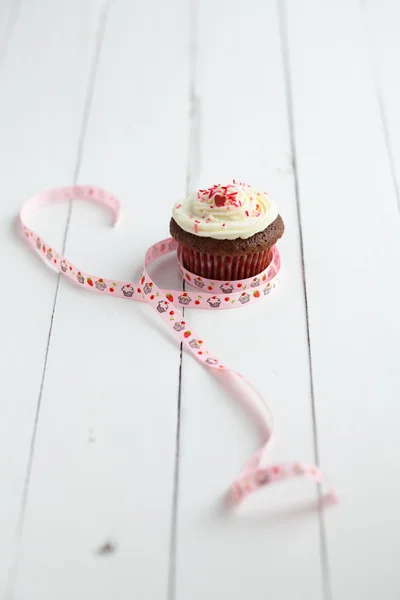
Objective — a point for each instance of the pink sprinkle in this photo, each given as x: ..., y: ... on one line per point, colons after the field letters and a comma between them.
x: 196, y: 228
x: 208, y: 220
x: 247, y: 213
x: 196, y: 221
x: 179, y: 205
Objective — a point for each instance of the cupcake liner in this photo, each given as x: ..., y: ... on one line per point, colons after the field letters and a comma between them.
x: 229, y: 268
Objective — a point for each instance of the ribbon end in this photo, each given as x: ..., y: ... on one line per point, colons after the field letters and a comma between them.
x: 117, y: 219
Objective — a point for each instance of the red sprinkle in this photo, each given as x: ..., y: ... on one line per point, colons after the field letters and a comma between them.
x: 247, y: 213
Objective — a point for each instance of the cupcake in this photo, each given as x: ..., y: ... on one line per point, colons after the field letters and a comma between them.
x: 148, y: 287
x: 195, y: 343
x: 200, y: 284
x: 184, y: 299
x: 227, y: 288
x: 244, y: 298
x: 100, y: 285
x: 214, y: 302
x: 162, y: 306
x: 127, y: 290
x: 255, y: 282
x: 226, y: 232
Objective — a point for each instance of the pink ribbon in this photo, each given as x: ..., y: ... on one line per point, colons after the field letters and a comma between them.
x: 212, y: 295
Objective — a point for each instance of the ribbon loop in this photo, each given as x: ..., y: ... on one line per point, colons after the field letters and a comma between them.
x: 204, y: 293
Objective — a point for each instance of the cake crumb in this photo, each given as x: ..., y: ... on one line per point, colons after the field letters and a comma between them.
x: 106, y: 549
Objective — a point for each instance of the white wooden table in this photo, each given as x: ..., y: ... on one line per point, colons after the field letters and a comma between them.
x: 103, y: 439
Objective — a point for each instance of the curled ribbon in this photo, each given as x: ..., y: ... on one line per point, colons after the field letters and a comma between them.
x: 256, y: 472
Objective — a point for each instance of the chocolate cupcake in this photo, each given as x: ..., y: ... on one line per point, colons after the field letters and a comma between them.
x: 226, y: 232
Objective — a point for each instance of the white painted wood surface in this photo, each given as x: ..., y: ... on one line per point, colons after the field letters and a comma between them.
x: 103, y: 437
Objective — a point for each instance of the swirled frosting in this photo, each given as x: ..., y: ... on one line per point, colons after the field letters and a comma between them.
x: 225, y: 212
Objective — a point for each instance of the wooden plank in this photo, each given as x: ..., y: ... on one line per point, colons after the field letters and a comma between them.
x: 352, y: 253
x: 42, y: 78
x: 104, y: 458
x: 241, y: 132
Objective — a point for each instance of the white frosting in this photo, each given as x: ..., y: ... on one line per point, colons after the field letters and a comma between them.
x: 225, y: 212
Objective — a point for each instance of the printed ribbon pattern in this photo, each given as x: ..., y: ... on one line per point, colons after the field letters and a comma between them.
x: 212, y: 295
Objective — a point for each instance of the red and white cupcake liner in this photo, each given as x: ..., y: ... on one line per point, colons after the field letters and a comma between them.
x: 229, y: 268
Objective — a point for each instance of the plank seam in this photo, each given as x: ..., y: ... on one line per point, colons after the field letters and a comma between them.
x: 83, y: 129
x: 193, y: 152
x: 286, y: 67
x: 381, y: 107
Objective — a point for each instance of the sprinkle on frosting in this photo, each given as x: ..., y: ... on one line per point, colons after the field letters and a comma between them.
x: 226, y: 211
